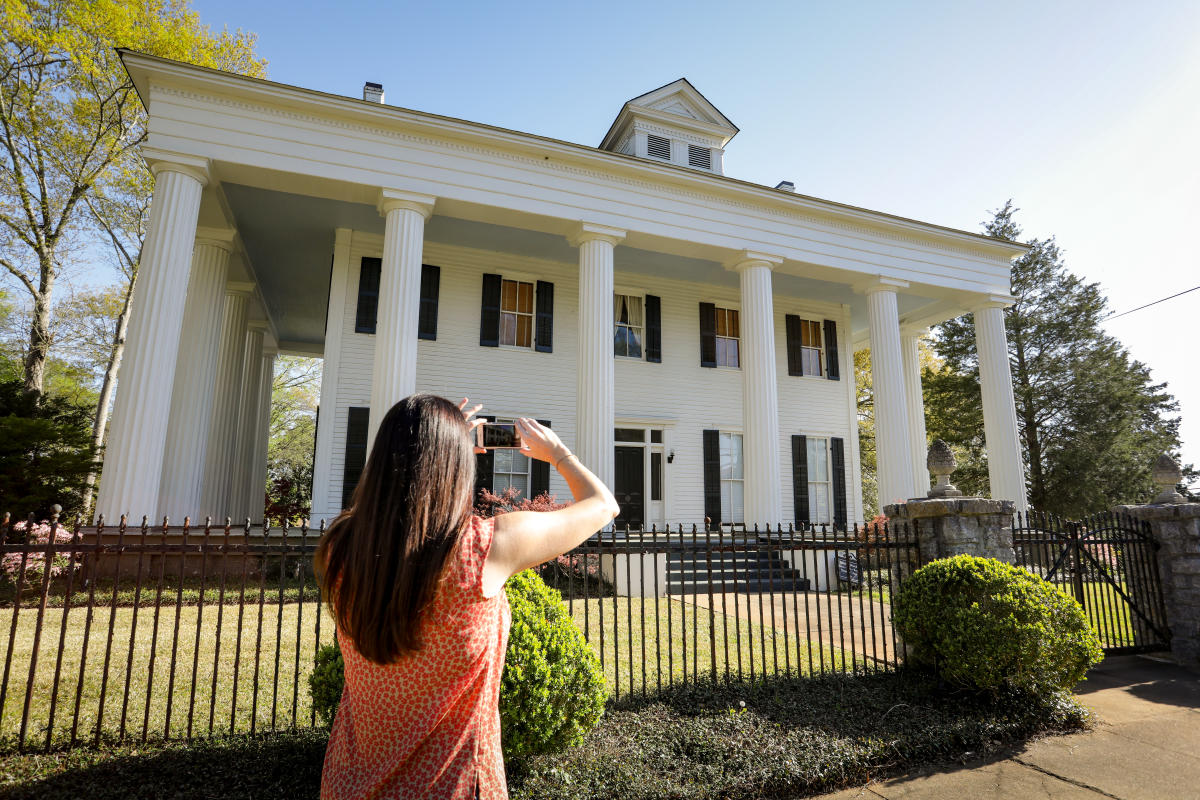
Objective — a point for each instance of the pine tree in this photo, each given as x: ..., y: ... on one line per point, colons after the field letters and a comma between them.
x: 1091, y: 419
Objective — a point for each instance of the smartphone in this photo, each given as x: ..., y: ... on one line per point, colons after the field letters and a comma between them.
x: 497, y: 435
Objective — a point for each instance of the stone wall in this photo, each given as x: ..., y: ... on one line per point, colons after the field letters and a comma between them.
x: 952, y: 526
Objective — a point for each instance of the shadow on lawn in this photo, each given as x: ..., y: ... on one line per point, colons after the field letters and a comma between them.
x: 265, y: 766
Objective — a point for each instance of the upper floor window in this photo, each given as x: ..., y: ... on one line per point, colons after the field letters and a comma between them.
x: 728, y: 333
x: 516, y: 313
x: 628, y: 326
x: 812, y: 347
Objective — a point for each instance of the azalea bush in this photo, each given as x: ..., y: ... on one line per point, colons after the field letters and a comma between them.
x: 37, y: 534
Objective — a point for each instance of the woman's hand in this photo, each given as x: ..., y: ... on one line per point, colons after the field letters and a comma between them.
x: 538, y: 441
x: 472, y: 423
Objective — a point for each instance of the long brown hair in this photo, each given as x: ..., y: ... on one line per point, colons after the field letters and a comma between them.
x: 380, y: 561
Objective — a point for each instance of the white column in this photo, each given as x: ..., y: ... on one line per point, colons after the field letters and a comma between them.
x: 324, y: 478
x: 133, y: 459
x: 219, y: 460
x: 595, y: 401
x: 910, y: 350
x: 247, y: 421
x: 258, y: 466
x: 894, y: 463
x: 1006, y: 468
x: 192, y: 396
x: 395, y: 373
x: 760, y: 400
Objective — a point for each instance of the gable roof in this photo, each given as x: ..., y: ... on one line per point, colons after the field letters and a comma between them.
x: 685, y: 105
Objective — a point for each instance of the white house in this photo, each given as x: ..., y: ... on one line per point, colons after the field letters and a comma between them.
x: 690, y: 335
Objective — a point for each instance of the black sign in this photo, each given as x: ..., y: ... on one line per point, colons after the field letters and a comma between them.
x: 847, y: 567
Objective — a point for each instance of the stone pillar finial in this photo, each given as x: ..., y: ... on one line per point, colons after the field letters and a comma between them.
x: 1167, y: 475
x: 941, y: 464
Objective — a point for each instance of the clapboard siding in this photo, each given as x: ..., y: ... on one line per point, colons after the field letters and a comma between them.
x: 684, y: 396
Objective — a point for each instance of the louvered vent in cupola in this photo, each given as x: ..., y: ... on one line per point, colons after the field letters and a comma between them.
x: 699, y: 157
x: 658, y: 147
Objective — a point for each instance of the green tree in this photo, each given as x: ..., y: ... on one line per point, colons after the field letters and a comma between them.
x: 46, y: 452
x: 1091, y: 419
x: 71, y: 124
x: 295, y: 393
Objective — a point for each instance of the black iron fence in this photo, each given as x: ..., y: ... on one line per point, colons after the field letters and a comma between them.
x: 1107, y: 562
x: 162, y: 631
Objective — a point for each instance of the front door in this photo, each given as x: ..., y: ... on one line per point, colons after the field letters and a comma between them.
x: 629, y: 479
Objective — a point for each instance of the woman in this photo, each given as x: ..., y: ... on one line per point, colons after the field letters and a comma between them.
x: 415, y: 582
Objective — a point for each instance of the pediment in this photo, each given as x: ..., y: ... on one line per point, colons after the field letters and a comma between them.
x: 682, y: 99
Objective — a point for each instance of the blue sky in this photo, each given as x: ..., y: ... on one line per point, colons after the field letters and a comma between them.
x: 1087, y: 114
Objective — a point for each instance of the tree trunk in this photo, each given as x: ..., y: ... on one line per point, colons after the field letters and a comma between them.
x: 39, y: 330
x: 100, y: 421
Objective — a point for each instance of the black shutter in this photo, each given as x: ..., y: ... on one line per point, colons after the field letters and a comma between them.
x: 712, y: 476
x: 791, y: 324
x: 368, y: 295
x: 431, y: 281
x: 832, y: 371
x: 489, y: 313
x: 356, y: 451
x: 483, y: 469
x: 838, y: 457
x: 708, y: 335
x: 800, y: 479
x: 539, y: 473
x: 543, y: 323
x: 653, y: 329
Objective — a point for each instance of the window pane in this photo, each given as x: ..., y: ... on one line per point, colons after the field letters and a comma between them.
x: 733, y: 358
x: 656, y: 437
x: 726, y: 500
x: 735, y: 327
x: 508, y: 329
x: 737, y: 508
x: 629, y: 435
x: 656, y: 476
x: 818, y: 503
x: 635, y: 311
x: 524, y: 330
x: 726, y: 456
x: 818, y: 464
x: 810, y: 361
x: 620, y: 308
x: 502, y: 461
x: 621, y: 341
x: 525, y: 298
x: 810, y: 333
x: 721, y: 322
x: 736, y: 447
x: 508, y: 296
x: 635, y: 342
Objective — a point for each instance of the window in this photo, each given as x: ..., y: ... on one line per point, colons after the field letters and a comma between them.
x: 510, y: 468
x: 820, y: 484
x: 516, y: 313
x: 628, y: 326
x: 728, y: 333
x: 732, y: 478
x: 655, y: 476
x: 810, y: 347
x: 658, y: 147
x: 699, y: 157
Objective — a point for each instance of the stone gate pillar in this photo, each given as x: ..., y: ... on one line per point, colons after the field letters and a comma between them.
x: 1175, y: 525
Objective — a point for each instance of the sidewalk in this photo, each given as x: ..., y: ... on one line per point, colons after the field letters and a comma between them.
x: 1146, y: 745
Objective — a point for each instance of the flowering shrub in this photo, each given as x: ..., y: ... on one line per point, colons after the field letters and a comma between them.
x: 491, y: 504
x: 35, y: 561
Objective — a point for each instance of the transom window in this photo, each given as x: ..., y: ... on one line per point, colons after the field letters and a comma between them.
x: 509, y: 468
x: 733, y: 491
x: 628, y: 326
x: 811, y: 347
x: 516, y: 313
x: 820, y: 482
x: 729, y: 333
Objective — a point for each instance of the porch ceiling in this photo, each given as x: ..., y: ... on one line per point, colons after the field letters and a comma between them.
x: 289, y: 242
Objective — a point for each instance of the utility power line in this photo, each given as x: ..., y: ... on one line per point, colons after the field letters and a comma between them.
x: 1156, y: 302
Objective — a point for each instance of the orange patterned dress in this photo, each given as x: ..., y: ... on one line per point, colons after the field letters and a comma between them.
x: 428, y: 726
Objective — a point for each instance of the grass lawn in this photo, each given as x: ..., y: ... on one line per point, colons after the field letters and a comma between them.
x: 782, y: 738
x: 157, y: 698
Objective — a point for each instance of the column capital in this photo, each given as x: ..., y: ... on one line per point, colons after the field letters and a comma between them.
x: 240, y: 288
x: 913, y: 331
x: 216, y: 237
x: 258, y: 325
x: 752, y: 258
x: 160, y: 160
x: 393, y: 199
x: 983, y: 301
x: 880, y: 283
x: 590, y: 231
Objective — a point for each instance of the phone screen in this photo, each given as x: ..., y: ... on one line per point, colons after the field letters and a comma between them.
x: 495, y: 435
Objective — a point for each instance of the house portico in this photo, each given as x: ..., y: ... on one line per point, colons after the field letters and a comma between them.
x: 269, y: 197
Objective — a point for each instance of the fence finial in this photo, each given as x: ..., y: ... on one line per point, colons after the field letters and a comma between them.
x: 1167, y: 475
x: 941, y: 464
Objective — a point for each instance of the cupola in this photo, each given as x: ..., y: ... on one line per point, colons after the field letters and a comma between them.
x: 673, y: 123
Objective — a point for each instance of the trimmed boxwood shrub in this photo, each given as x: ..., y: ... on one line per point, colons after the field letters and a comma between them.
x: 984, y: 624
x: 551, y: 692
